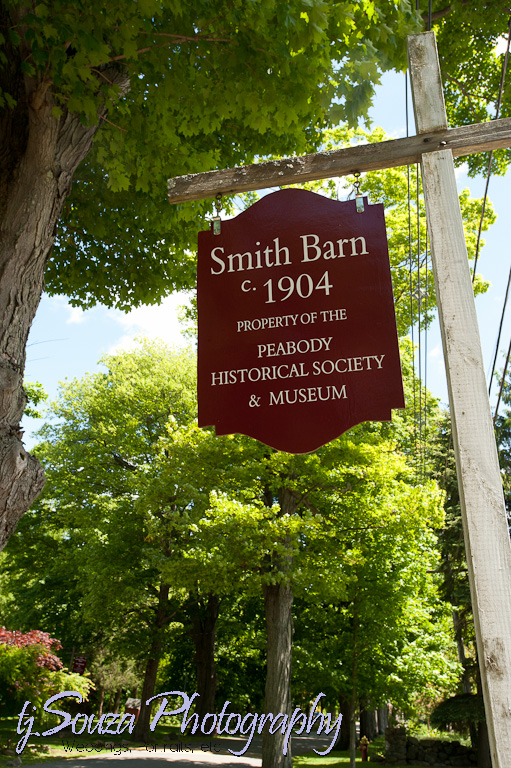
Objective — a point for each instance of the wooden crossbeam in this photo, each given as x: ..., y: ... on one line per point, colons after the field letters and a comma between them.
x: 479, y: 137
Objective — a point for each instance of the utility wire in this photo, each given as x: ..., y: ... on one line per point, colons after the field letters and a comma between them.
x: 502, y: 383
x: 426, y: 340
x: 410, y: 277
x: 419, y: 316
x: 492, y: 372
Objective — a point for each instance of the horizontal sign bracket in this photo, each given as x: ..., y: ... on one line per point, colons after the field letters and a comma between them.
x: 465, y: 140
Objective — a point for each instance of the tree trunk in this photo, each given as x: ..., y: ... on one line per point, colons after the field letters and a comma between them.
x: 465, y: 679
x: 117, y: 701
x: 353, y: 734
x: 142, y: 727
x: 343, y: 742
x: 101, y: 700
x: 383, y: 719
x: 278, y: 601
x: 39, y: 154
x: 204, y: 616
x: 483, y: 747
x: 353, y: 713
x: 368, y: 724
x: 482, y: 740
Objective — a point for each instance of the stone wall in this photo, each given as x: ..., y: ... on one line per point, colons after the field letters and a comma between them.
x: 401, y: 749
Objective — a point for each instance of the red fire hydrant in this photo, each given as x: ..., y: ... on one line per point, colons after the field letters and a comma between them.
x: 364, y: 748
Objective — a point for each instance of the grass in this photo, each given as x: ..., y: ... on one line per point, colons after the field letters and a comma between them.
x: 51, y: 748
x: 341, y: 759
x: 54, y: 747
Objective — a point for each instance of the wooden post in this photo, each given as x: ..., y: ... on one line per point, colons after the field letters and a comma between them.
x: 484, y: 516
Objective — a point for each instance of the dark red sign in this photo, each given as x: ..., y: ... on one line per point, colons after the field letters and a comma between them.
x: 79, y: 664
x: 297, y: 330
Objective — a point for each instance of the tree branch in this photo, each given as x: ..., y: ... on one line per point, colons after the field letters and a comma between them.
x: 174, y: 39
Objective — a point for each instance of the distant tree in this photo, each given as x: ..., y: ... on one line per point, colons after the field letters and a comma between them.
x: 36, y: 394
x: 93, y: 525
x: 386, y: 636
x: 117, y: 523
x: 299, y: 526
x: 111, y: 676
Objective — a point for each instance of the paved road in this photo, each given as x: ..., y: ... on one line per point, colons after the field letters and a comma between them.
x: 205, y: 754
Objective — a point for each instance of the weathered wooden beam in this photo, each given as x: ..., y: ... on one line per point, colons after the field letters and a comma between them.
x: 465, y: 140
x: 485, y: 527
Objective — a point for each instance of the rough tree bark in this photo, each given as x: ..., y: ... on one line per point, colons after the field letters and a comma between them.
x: 117, y: 701
x: 101, y: 701
x: 343, y: 742
x: 151, y: 670
x: 38, y: 157
x: 368, y: 723
x: 204, y: 616
x: 354, y: 682
x: 383, y: 720
x: 278, y: 601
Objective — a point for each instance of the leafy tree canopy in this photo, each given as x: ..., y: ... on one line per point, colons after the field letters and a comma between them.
x: 90, y: 541
x: 467, y: 35
x: 210, y: 85
x: 36, y: 394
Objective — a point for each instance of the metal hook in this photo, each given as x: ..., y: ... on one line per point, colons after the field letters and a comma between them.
x: 359, y: 200
x: 217, y: 221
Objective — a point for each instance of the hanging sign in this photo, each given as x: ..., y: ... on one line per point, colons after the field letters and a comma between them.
x: 297, y: 330
x: 79, y: 664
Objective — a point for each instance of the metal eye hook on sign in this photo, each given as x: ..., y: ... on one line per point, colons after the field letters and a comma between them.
x: 217, y: 221
x: 358, y: 194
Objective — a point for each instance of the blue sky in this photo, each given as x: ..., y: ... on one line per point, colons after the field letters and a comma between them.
x: 65, y: 342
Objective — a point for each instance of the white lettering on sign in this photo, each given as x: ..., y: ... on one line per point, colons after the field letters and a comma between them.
x: 287, y: 321
x: 239, y: 262
x: 304, y: 286
x: 241, y: 375
x: 291, y: 347
x: 312, y: 251
x: 330, y: 315
x: 277, y: 255
x: 307, y: 395
x: 260, y: 323
x: 297, y: 370
x: 347, y: 365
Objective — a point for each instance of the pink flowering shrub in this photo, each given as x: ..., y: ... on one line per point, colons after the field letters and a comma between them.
x: 31, y: 670
x: 42, y: 640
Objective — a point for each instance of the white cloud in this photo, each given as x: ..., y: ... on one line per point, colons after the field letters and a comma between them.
x: 460, y: 171
x: 159, y: 321
x: 501, y: 46
x: 123, y: 344
x: 76, y: 315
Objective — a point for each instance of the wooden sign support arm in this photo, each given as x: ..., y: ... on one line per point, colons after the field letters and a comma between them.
x: 340, y: 162
x: 486, y: 533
